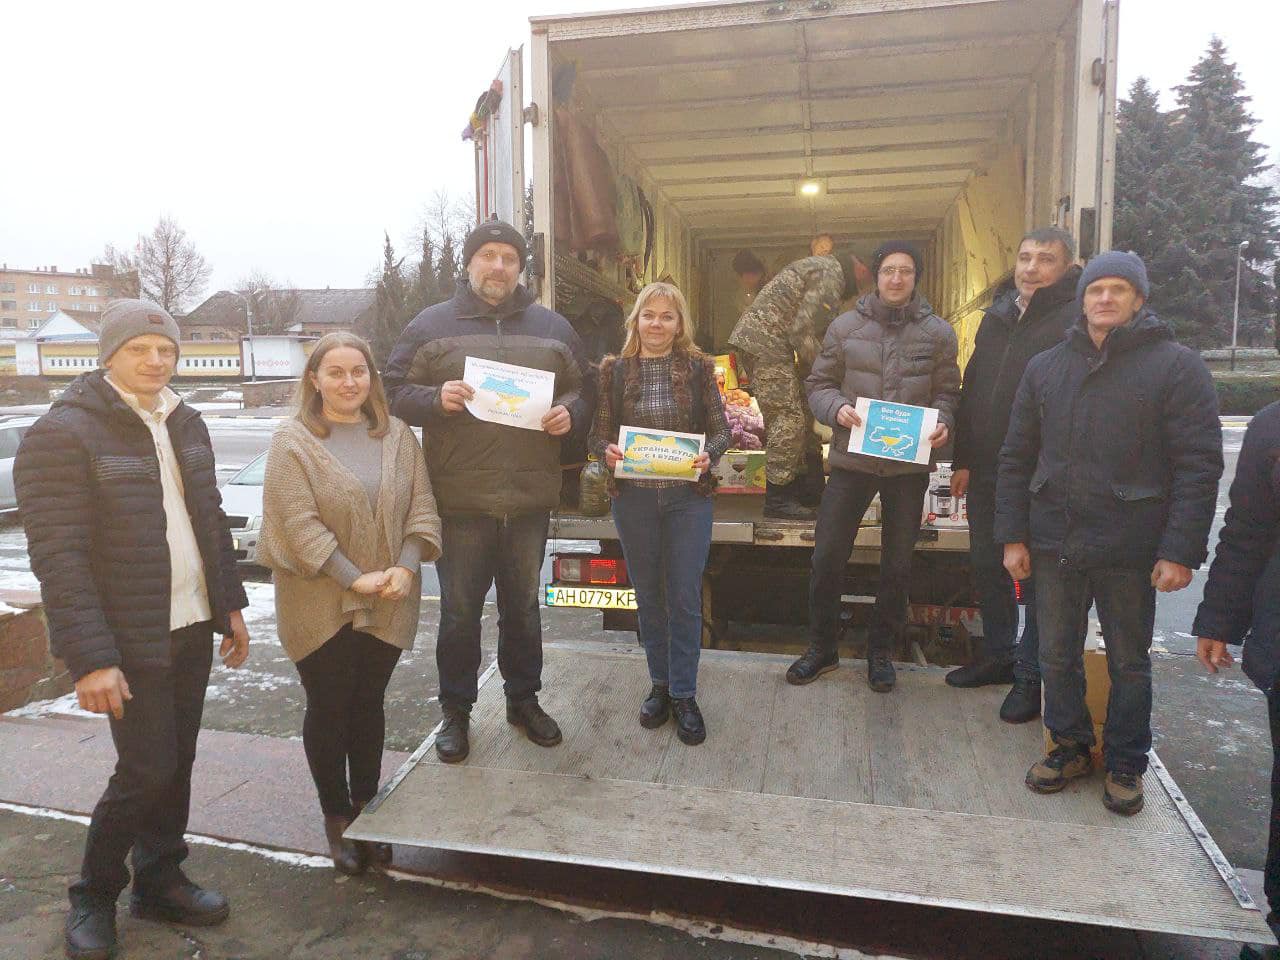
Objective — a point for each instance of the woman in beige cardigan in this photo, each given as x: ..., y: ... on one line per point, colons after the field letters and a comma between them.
x: 347, y: 519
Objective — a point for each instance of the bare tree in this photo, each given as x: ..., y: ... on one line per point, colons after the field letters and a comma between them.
x: 171, y: 272
x: 275, y: 306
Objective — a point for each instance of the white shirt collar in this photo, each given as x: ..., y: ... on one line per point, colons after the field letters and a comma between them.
x: 166, y: 401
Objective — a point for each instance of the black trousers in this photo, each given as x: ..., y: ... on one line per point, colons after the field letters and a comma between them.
x: 345, y: 724
x: 844, y: 501
x: 1271, y: 872
x: 147, y: 800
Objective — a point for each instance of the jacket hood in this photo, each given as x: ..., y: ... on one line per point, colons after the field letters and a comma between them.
x: 470, y: 304
x: 871, y: 306
x: 1145, y: 328
x: 90, y: 391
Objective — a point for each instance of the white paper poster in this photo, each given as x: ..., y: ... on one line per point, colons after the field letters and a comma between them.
x: 515, y: 396
x: 658, y: 454
x: 893, y: 431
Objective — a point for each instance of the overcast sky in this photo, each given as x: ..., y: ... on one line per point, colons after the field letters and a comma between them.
x: 287, y: 136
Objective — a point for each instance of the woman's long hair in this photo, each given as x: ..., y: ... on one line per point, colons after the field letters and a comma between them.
x: 310, y: 405
x: 684, y: 336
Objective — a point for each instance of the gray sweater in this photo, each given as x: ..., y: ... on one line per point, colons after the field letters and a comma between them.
x: 360, y: 453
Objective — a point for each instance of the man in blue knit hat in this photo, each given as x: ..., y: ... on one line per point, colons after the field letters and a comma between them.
x: 1107, y: 487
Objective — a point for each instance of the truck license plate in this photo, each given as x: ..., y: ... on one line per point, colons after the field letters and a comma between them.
x: 601, y: 598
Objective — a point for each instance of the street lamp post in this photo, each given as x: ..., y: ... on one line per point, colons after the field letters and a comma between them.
x: 1235, y: 317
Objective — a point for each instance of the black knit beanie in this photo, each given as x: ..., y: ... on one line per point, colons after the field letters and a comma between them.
x: 494, y: 231
x: 897, y: 246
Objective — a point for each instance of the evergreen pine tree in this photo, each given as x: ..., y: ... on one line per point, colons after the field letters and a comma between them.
x: 389, y: 316
x: 1214, y: 165
x: 448, y: 269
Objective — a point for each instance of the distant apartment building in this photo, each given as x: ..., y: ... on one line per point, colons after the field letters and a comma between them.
x: 29, y: 297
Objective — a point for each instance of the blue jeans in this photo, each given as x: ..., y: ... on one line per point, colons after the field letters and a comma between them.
x: 995, y: 588
x: 844, y: 501
x: 1126, y: 604
x: 666, y: 535
x: 476, y: 552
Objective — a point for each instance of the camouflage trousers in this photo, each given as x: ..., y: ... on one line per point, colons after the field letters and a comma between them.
x: 788, y: 424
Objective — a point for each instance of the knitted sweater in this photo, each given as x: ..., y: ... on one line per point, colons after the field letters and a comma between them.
x: 312, y: 505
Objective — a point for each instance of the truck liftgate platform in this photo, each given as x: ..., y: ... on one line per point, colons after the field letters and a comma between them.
x: 916, y: 796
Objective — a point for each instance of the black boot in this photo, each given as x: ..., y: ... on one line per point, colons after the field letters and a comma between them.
x: 880, y: 673
x: 533, y: 720
x: 813, y: 482
x: 812, y: 664
x: 690, y: 727
x: 656, y: 708
x: 90, y: 932
x: 982, y: 673
x: 781, y: 502
x: 452, y: 745
x: 1022, y: 702
x: 374, y: 852
x: 183, y: 903
x: 347, y: 857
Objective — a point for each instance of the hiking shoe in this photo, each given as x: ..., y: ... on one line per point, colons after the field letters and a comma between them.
x: 656, y: 708
x: 1062, y: 764
x: 811, y: 665
x: 533, y: 720
x: 1122, y: 793
x: 983, y: 673
x: 90, y: 932
x: 880, y: 673
x: 689, y: 724
x: 1022, y: 702
x: 452, y: 745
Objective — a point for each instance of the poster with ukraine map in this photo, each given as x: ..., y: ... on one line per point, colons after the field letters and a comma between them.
x: 893, y: 431
x: 505, y: 393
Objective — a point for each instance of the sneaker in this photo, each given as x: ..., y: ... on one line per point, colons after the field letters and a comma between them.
x: 452, y: 744
x: 1022, y: 702
x: 656, y: 709
x: 880, y: 673
x: 813, y: 664
x: 689, y: 725
x: 1062, y: 764
x: 1122, y: 793
x: 983, y: 673
x: 533, y: 720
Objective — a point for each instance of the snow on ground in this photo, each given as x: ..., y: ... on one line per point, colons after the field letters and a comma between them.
x: 67, y: 706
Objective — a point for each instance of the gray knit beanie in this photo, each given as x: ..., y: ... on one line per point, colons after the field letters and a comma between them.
x: 1115, y: 263
x: 125, y: 319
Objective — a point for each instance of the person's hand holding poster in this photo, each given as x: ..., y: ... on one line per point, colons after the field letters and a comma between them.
x: 504, y: 393
x: 658, y: 454
x: 893, y: 431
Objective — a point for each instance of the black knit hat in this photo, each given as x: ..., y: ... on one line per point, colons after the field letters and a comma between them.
x: 494, y: 231
x: 897, y: 246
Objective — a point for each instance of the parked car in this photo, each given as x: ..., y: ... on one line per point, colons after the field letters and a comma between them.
x: 242, y: 502
x: 11, y: 431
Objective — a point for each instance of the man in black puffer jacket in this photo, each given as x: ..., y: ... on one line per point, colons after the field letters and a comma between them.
x: 1108, y: 485
x: 1030, y: 316
x: 124, y: 523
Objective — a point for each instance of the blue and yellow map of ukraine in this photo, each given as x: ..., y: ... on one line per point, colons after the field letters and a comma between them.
x: 893, y: 442
x: 510, y: 397
x: 660, y: 456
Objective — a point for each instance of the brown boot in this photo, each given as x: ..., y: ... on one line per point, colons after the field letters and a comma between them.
x: 347, y: 857
x: 374, y: 852
x: 1122, y: 793
x: 1063, y: 763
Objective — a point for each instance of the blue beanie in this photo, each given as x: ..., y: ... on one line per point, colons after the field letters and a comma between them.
x: 1115, y: 263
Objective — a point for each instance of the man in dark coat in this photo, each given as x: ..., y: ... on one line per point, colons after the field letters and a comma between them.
x: 1029, y: 317
x: 495, y: 485
x: 1107, y: 489
x: 1242, y: 605
x: 126, y: 533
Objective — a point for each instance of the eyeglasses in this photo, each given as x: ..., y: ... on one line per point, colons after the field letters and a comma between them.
x: 905, y: 272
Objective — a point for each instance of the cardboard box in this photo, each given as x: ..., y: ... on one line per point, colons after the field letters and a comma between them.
x: 941, y: 509
x: 1097, y: 689
x: 740, y: 471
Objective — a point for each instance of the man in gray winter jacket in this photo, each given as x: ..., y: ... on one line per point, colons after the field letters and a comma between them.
x: 891, y: 346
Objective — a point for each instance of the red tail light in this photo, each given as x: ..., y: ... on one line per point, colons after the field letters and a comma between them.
x: 601, y: 571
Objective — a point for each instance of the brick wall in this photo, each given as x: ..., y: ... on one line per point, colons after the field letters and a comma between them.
x: 27, y: 671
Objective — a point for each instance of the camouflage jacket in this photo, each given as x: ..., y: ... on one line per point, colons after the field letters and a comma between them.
x: 792, y: 312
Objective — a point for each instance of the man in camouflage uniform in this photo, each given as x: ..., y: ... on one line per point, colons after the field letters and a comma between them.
x: 776, y: 340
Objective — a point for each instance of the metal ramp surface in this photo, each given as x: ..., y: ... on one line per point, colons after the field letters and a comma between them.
x: 915, y: 796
